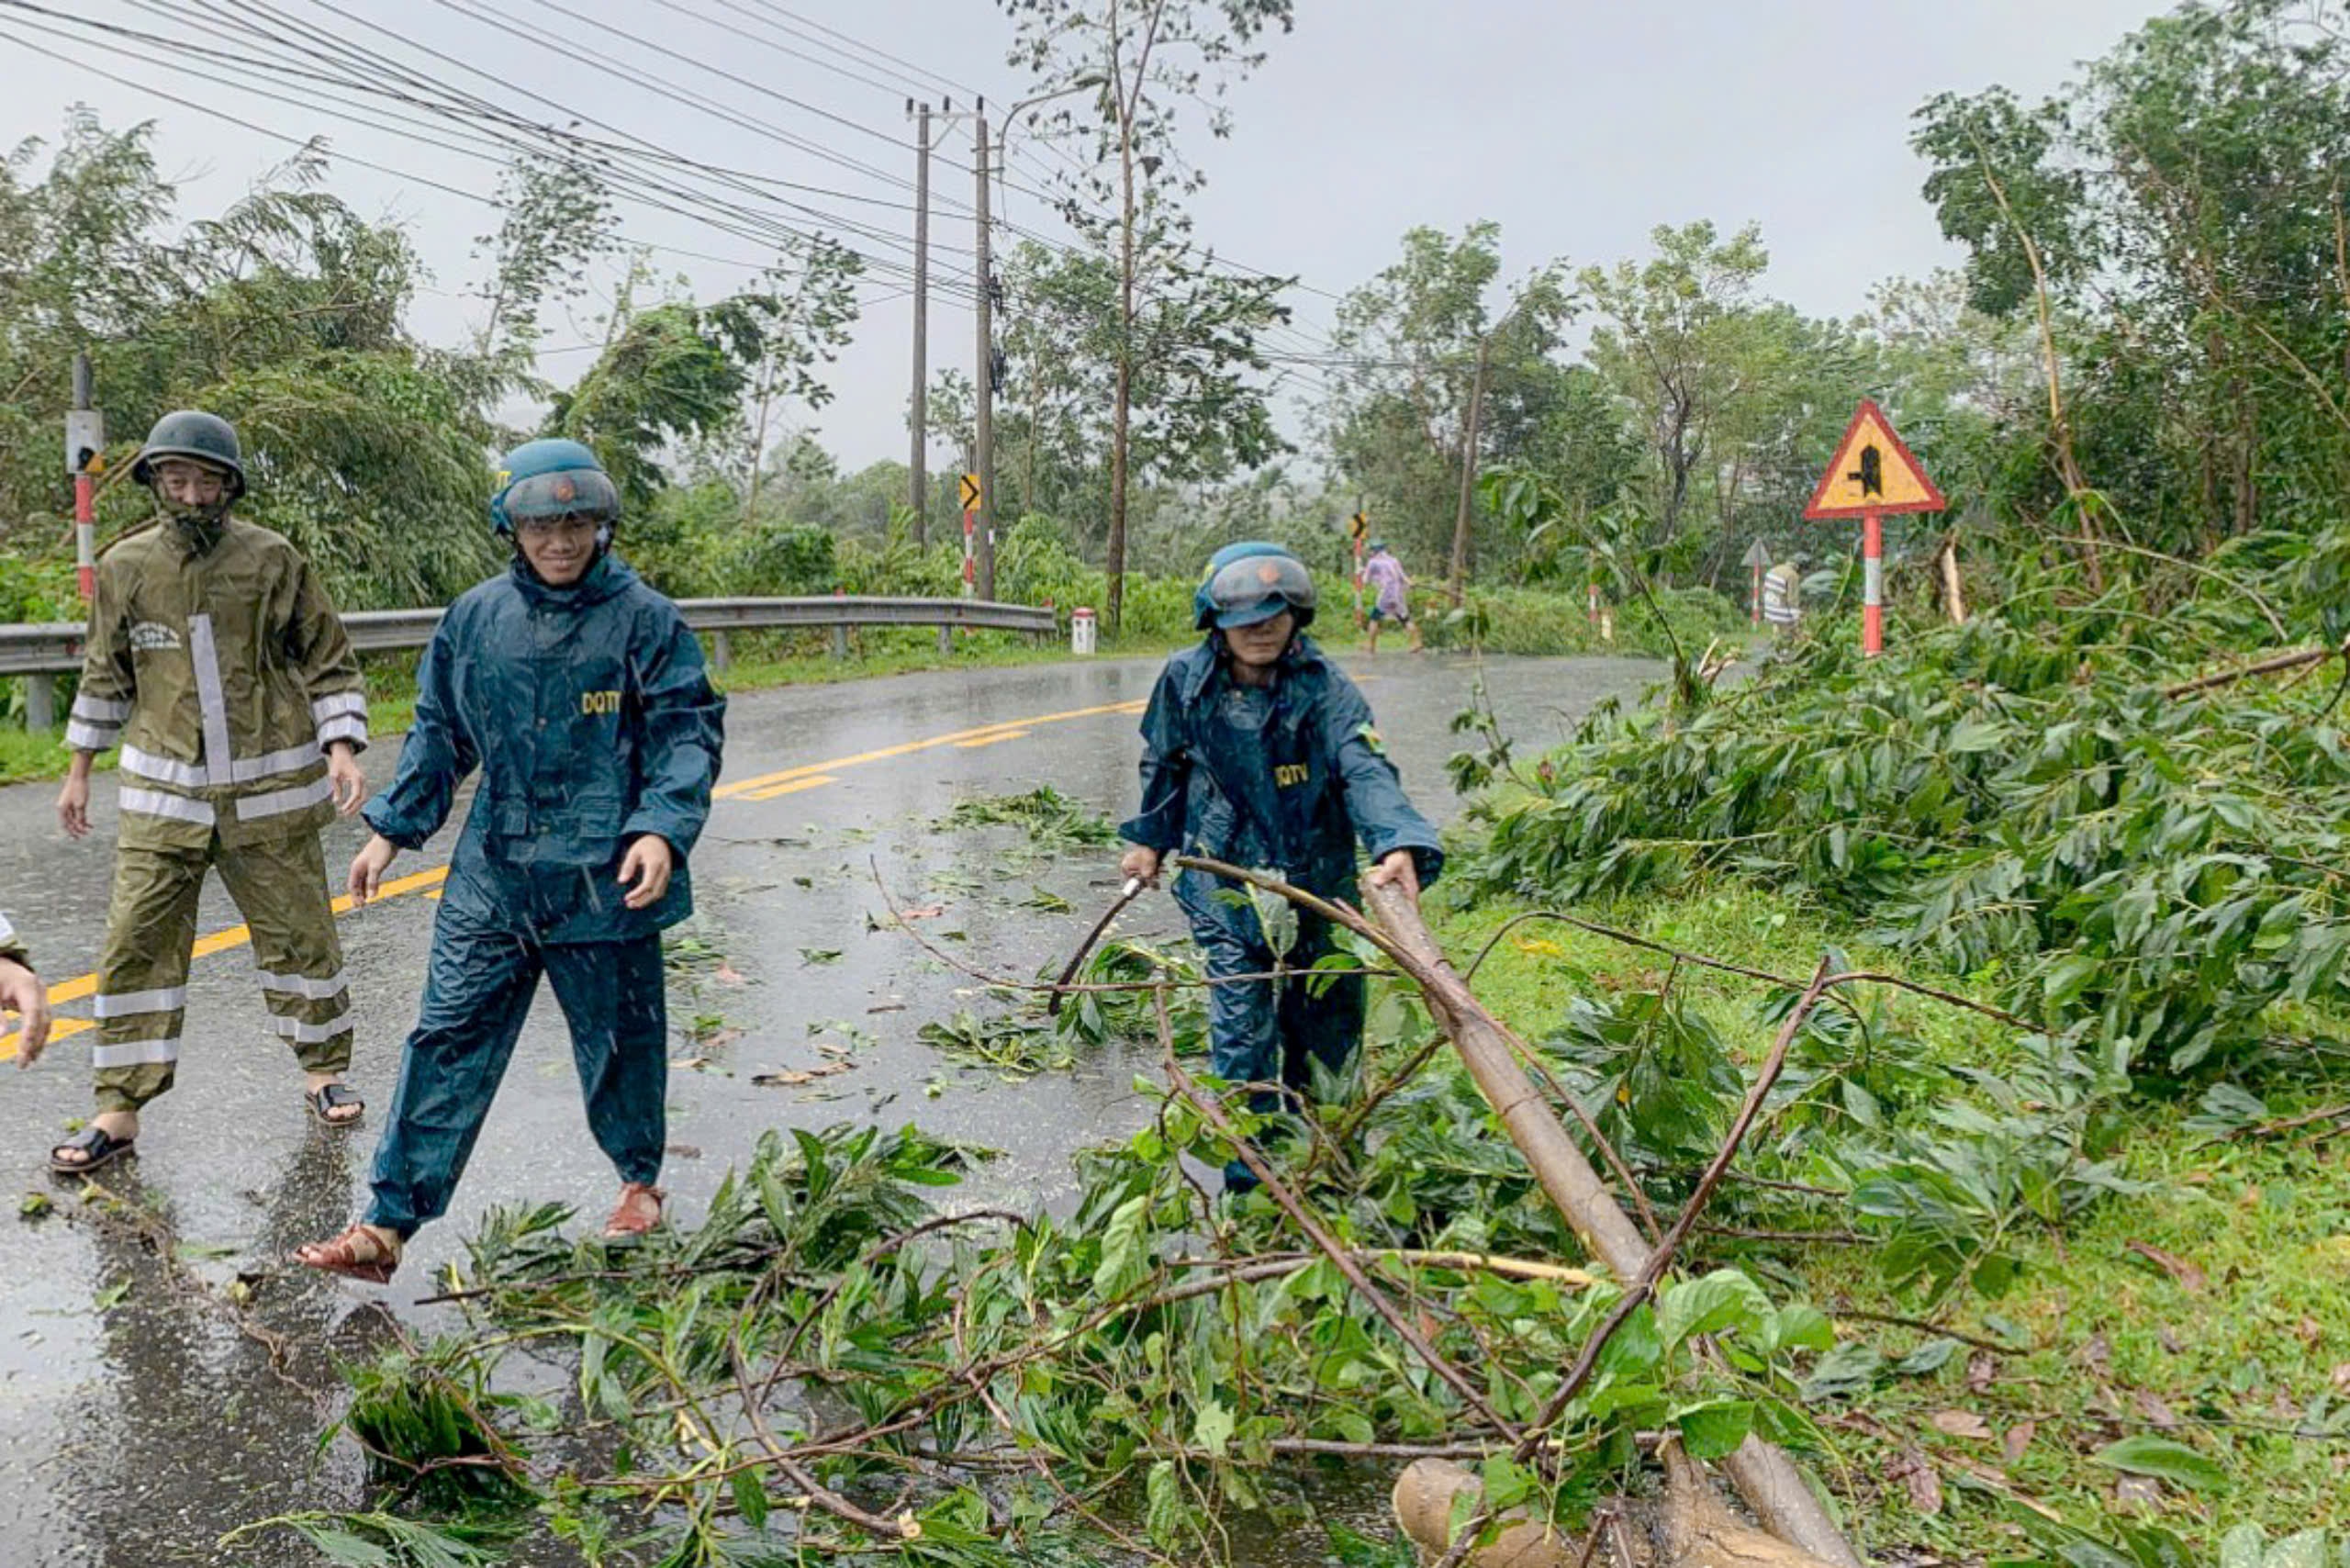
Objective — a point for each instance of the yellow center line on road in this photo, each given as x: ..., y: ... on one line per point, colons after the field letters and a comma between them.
x: 992, y: 740
x: 763, y: 788
x: 791, y: 786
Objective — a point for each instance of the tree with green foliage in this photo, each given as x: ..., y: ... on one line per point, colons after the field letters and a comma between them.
x: 1185, y: 333
x: 1676, y: 342
x: 2175, y: 222
x: 1420, y: 343
x: 283, y: 314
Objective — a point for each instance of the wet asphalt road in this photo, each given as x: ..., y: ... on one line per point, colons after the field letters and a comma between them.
x: 138, y: 1424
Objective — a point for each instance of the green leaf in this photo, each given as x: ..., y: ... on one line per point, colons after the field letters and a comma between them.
x: 1164, y: 1512
x: 751, y: 1498
x: 1725, y: 1300
x: 1801, y: 1327
x: 1930, y: 1357
x: 1714, y: 1429
x: 2163, y: 1460
x: 1211, y: 1428
x: 2244, y: 1547
x: 1122, y: 1267
x: 1850, y: 1368
x: 2305, y: 1549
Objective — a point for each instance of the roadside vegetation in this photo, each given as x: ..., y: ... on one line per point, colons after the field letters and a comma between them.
x: 1963, y: 1035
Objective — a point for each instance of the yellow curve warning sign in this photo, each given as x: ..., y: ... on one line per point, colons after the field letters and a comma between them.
x: 1873, y: 472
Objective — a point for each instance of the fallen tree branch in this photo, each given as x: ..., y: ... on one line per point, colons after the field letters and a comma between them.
x: 1768, y: 1481
x: 2293, y: 660
x: 1328, y: 1245
x: 1652, y: 1270
x: 1855, y: 977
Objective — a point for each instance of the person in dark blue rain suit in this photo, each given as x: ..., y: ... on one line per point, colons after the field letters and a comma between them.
x: 1259, y: 752
x: 580, y: 695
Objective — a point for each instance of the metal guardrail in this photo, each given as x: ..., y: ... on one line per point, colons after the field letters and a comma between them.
x: 55, y: 647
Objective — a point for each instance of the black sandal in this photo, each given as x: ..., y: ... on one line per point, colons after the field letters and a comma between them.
x: 328, y: 1097
x: 98, y: 1147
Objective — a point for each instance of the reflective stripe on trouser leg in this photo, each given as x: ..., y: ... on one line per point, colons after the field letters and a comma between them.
x: 280, y: 886
x: 613, y: 998
x: 142, y: 973
x: 478, y: 988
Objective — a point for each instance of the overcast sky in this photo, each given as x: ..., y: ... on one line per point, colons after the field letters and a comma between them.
x: 1578, y: 125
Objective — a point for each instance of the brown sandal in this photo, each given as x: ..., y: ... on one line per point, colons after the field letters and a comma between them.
x: 628, y: 1222
x: 356, y: 1254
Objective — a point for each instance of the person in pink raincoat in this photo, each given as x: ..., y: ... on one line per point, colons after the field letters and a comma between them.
x: 1391, y: 588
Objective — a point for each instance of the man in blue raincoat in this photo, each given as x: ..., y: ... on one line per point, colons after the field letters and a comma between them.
x: 1259, y: 751
x: 581, y: 695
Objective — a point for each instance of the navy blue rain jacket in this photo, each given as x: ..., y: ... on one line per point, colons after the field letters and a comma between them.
x: 592, y: 718
x: 1325, y: 782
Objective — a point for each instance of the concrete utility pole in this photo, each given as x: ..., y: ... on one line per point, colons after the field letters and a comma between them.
x: 984, y: 426
x: 919, y: 464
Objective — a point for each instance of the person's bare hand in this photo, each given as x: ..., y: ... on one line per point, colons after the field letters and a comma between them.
x: 74, y: 806
x: 1398, y: 868
x: 1140, y: 862
x: 647, y: 865
x: 350, y: 783
x: 22, y: 993
x: 367, y: 868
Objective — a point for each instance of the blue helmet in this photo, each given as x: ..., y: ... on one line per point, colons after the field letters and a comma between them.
x: 545, y: 479
x: 1250, y: 582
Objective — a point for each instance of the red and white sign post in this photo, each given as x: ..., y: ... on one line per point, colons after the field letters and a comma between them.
x: 85, y: 440
x: 1873, y: 473
x: 1758, y: 555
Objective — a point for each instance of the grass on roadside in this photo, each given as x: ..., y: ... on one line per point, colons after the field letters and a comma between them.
x: 2206, y: 1312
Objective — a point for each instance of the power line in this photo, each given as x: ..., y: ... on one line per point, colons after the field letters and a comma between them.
x: 466, y: 109
x: 395, y: 173
x: 817, y: 61
x: 866, y: 48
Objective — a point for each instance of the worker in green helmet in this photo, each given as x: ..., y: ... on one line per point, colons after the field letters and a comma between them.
x: 216, y: 661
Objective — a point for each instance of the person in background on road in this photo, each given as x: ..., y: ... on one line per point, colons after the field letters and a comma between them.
x: 218, y: 663
x: 1392, y: 591
x: 581, y: 695
x: 1259, y: 752
x: 22, y: 993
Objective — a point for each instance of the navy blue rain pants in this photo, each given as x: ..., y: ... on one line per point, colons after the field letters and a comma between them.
x: 477, y: 991
x: 1257, y: 1038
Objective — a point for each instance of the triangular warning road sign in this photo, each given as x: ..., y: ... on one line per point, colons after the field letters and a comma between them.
x: 1873, y: 472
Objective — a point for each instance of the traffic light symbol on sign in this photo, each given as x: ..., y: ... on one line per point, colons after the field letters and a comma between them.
x: 970, y: 492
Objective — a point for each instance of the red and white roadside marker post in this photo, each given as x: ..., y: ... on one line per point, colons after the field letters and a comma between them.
x: 1873, y: 473
x: 85, y: 440
x: 1758, y: 555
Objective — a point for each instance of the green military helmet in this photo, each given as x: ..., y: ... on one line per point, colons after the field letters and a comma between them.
x: 198, y: 436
